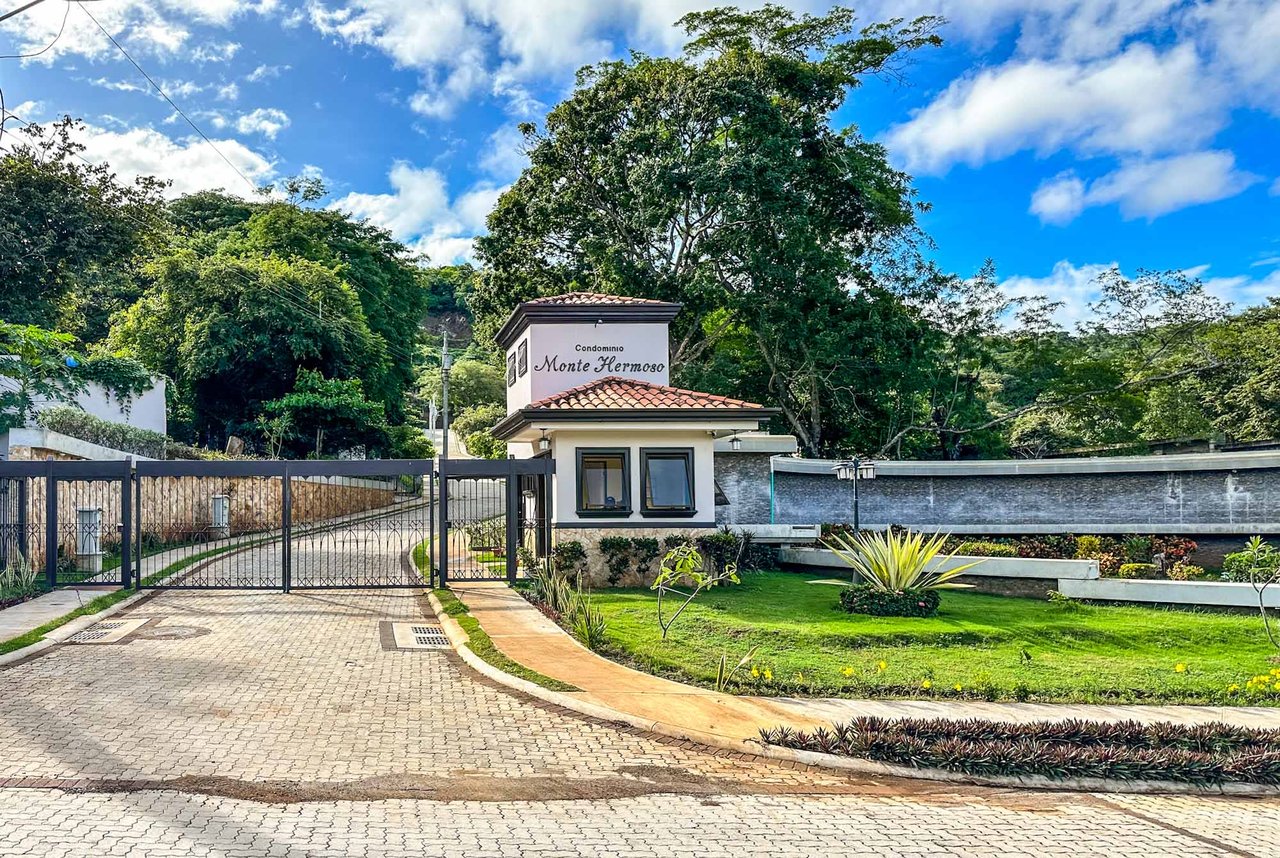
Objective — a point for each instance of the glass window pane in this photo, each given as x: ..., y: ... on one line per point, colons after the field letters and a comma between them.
x: 601, y: 482
x: 668, y: 484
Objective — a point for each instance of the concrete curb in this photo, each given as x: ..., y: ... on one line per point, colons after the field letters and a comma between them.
x: 458, y: 638
x: 62, y: 633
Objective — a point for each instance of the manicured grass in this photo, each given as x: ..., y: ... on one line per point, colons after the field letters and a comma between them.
x: 978, y: 646
x: 482, y: 645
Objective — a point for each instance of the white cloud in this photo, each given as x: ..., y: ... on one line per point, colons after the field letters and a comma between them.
x: 228, y: 92
x: 160, y: 27
x: 188, y: 163
x: 1145, y: 188
x: 267, y: 121
x: 419, y: 212
x: 1275, y: 188
x: 503, y: 154
x: 1138, y: 102
x: 1060, y: 199
x: 266, y: 72
x: 1076, y: 287
x: 1071, y: 285
x: 468, y: 48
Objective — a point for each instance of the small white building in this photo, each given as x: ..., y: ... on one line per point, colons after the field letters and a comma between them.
x: 588, y: 384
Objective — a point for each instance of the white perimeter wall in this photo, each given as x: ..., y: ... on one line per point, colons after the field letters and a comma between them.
x: 145, y: 411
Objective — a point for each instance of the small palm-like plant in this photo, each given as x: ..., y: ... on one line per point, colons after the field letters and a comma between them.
x: 894, y: 562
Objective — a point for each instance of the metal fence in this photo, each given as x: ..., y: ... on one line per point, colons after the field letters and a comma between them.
x: 271, y: 525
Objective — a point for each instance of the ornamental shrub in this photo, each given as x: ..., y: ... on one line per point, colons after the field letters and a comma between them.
x: 1183, y: 571
x: 1047, y: 547
x: 1174, y: 548
x: 1136, y: 570
x: 617, y: 557
x: 869, y: 599
x: 979, y: 548
x: 67, y: 420
x: 1236, y: 566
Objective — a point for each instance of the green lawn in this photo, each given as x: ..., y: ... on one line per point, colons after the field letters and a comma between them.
x: 991, y: 647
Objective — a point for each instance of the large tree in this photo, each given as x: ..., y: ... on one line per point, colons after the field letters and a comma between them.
x: 716, y: 180
x: 70, y: 233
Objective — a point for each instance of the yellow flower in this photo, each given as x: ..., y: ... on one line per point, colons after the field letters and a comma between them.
x: 1277, y: 685
x: 1179, y: 668
x: 927, y: 684
x: 1233, y: 688
x: 959, y: 687
x: 755, y: 672
x: 847, y: 671
x: 768, y: 675
x: 799, y: 677
x: 883, y: 666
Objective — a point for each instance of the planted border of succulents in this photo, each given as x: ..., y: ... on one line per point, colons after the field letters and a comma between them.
x: 1202, y: 754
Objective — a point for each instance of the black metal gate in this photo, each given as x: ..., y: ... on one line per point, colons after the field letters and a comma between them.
x: 272, y: 525
x: 489, y: 509
x: 282, y: 525
x: 66, y: 522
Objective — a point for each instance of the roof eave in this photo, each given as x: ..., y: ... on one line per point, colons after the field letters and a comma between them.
x: 527, y: 313
x: 514, y: 422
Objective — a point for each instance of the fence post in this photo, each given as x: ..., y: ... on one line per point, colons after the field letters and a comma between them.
x: 513, y: 520
x: 444, y: 523
x: 286, y: 528
x: 126, y: 524
x: 23, y: 548
x: 137, y: 531
x: 431, y: 526
x: 50, y: 524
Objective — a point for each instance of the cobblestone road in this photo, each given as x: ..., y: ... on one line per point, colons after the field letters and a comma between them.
x: 284, y: 727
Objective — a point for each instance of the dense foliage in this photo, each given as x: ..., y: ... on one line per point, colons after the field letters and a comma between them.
x: 1128, y: 750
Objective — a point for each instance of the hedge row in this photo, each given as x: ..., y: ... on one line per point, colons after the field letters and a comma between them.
x: 1199, y: 754
x: 128, y: 439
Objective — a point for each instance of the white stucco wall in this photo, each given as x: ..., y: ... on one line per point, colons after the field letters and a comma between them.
x: 146, y: 411
x: 567, y: 355
x: 566, y: 442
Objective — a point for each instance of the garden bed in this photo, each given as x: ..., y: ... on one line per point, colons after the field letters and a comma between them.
x: 1201, y: 755
x: 977, y: 647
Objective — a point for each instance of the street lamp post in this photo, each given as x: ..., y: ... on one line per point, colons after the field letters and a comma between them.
x: 856, y: 470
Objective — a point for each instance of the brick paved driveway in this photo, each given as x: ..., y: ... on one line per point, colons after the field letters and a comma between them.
x: 286, y: 728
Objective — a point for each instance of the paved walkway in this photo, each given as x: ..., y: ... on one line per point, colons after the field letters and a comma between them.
x: 524, y: 634
x: 238, y: 724
x: 32, y: 614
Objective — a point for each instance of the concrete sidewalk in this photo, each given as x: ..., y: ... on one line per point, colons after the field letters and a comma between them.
x: 525, y: 635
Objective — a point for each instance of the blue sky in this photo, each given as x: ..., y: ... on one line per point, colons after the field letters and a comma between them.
x: 1055, y: 136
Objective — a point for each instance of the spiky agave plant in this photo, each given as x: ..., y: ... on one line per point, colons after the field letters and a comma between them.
x: 894, y: 562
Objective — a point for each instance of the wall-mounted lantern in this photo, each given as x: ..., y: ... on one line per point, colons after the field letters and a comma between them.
x: 735, y: 443
x: 544, y: 443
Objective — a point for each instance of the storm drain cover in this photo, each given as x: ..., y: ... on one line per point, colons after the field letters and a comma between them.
x: 419, y: 636
x: 107, y: 631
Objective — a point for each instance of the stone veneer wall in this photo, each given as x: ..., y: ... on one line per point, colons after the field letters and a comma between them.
x: 744, y: 479
x: 1198, y: 495
x: 597, y: 572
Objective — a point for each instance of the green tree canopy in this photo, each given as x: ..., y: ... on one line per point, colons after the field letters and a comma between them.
x: 327, y: 415
x: 70, y: 233
x: 716, y: 180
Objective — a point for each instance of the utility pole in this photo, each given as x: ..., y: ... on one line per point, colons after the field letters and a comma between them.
x: 445, y: 363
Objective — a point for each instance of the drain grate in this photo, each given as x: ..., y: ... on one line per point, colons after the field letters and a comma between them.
x: 107, y: 631
x: 419, y: 636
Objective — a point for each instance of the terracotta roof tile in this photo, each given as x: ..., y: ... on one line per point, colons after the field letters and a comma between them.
x: 615, y: 392
x: 592, y: 298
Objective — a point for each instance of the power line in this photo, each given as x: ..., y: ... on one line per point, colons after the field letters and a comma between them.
x: 65, y: 12
x: 166, y: 97
x: 20, y: 10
